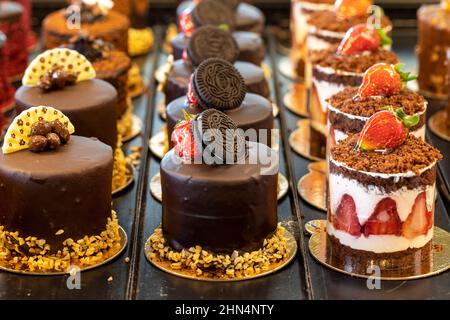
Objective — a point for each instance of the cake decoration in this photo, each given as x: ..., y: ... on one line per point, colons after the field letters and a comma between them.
x: 66, y: 60
x: 183, y: 139
x: 217, y: 84
x: 92, y: 48
x: 211, y: 12
x: 345, y: 9
x: 363, y: 37
x: 386, y: 130
x: 210, y: 42
x: 37, y: 128
x: 94, y: 10
x: 384, y: 80
x: 56, y: 78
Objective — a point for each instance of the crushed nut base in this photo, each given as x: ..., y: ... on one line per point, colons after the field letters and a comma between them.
x: 33, y: 255
x: 121, y: 174
x: 202, y: 263
x: 125, y: 123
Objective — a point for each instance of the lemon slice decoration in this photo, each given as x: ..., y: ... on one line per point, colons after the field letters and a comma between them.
x: 19, y: 132
x: 67, y: 59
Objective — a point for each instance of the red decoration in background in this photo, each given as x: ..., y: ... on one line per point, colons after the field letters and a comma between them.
x: 185, y: 24
x: 6, y: 89
x: 190, y: 94
x: 26, y: 22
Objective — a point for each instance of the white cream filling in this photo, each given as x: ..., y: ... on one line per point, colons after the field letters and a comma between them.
x: 315, y: 43
x: 325, y: 90
x: 367, y: 198
x: 379, y: 243
x: 312, y: 6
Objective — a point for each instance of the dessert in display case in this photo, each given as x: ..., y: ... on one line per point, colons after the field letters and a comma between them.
x: 178, y: 125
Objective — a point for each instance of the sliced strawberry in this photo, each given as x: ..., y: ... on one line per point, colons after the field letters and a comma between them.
x: 183, y: 139
x: 384, y: 219
x: 185, y: 23
x: 345, y: 9
x: 362, y: 38
x: 420, y: 220
x: 345, y: 218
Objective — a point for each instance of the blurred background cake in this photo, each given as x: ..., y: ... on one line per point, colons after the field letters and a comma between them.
x: 6, y: 89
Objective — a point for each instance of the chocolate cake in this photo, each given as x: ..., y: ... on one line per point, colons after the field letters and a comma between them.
x: 381, y: 205
x: 217, y: 84
x: 15, y: 49
x: 46, y: 230
x: 433, y: 40
x: 6, y: 89
x: 96, y: 21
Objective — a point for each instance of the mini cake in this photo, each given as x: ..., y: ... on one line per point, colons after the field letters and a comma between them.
x: 334, y: 69
x: 217, y: 84
x: 76, y: 225
x: 82, y: 98
x: 207, y: 233
x: 381, y: 198
x: 6, y: 89
x: 300, y: 13
x: 433, y: 41
x: 96, y: 20
x: 135, y: 10
x: 26, y: 22
x: 110, y: 65
x: 15, y: 49
x: 383, y: 86
x: 212, y: 42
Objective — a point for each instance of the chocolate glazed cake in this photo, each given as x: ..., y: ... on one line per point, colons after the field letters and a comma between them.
x: 217, y: 84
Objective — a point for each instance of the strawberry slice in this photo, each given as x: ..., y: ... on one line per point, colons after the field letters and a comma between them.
x: 345, y: 218
x: 363, y: 37
x: 384, y: 80
x: 183, y: 138
x: 384, y: 219
x: 386, y: 130
x: 345, y: 9
x: 420, y: 220
x: 185, y: 23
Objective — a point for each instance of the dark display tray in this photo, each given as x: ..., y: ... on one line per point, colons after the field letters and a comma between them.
x: 140, y: 214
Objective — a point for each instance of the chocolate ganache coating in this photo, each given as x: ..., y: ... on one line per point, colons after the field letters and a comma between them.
x: 255, y: 112
x: 66, y: 189
x: 90, y: 105
x: 221, y: 207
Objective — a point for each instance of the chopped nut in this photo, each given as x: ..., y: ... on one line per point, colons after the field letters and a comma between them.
x: 110, y: 279
x: 59, y: 232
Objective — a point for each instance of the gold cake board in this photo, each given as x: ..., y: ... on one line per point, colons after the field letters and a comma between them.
x: 286, y: 68
x: 299, y: 140
x: 129, y: 181
x: 164, y: 265
x: 156, y: 192
x: 437, y: 125
x: 440, y: 260
x: 123, y: 245
x: 135, y: 130
x: 295, y: 100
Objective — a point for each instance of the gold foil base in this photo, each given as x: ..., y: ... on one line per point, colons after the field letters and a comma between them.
x: 314, y: 226
x: 295, y: 100
x: 171, y: 32
x: 299, y: 140
x: 135, y: 130
x: 438, y: 126
x: 267, y: 71
x: 275, y: 110
x: 165, y: 265
x: 129, y: 178
x: 439, y: 260
x: 162, y: 110
x: 287, y: 69
x: 312, y: 188
x: 157, y: 145
x: 283, y: 186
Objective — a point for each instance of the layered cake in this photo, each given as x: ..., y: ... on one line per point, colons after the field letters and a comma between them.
x: 381, y: 198
x: 110, y: 65
x: 51, y: 79
x: 26, y: 22
x: 96, y: 20
x: 336, y: 68
x: 207, y: 233
x: 217, y: 84
x: 433, y: 41
x: 6, y: 89
x: 74, y: 226
x: 135, y: 10
x: 300, y: 13
x: 212, y: 42
x: 15, y: 49
x: 383, y: 85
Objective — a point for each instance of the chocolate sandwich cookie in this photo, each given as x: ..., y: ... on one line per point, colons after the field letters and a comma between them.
x: 211, y: 42
x: 217, y: 84
x: 210, y: 12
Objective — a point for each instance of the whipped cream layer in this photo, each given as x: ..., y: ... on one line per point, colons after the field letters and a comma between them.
x: 326, y: 90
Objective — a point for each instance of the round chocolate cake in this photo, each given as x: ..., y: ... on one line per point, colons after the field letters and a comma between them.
x: 91, y: 105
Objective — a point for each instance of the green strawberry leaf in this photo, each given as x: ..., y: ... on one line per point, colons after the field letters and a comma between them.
x: 405, y: 76
x: 224, y: 27
x: 188, y: 117
x: 408, y: 121
x: 385, y: 39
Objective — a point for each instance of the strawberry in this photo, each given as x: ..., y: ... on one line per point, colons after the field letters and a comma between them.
x: 185, y: 23
x: 420, y: 220
x: 383, y: 79
x: 345, y: 9
x: 345, y: 218
x: 363, y: 37
x: 183, y: 138
x: 384, y: 219
x: 386, y: 130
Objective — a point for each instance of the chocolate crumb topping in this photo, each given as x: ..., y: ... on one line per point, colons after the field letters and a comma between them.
x: 48, y: 135
x: 345, y: 101
x: 357, y: 63
x: 57, y: 78
x: 413, y: 155
x: 93, y: 49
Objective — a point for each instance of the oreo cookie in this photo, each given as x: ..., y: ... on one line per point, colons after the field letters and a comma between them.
x: 220, y: 137
x: 212, y: 12
x: 212, y: 42
x: 217, y: 84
